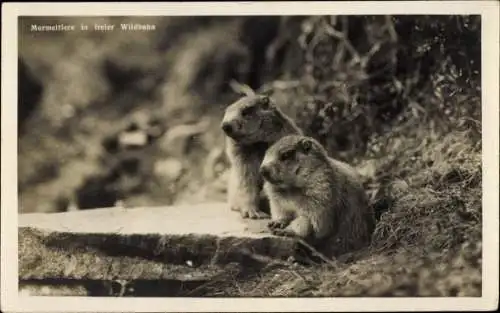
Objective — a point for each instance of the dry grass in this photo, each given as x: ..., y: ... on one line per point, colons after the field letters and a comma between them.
x: 439, y: 205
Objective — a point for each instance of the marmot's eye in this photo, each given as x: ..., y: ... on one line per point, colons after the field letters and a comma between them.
x: 248, y: 110
x: 306, y: 145
x: 286, y: 155
x: 264, y: 101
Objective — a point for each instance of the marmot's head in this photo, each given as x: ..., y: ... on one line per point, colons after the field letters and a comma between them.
x: 252, y: 119
x: 292, y: 161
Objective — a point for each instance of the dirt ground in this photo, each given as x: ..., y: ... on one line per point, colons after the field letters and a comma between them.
x: 132, y: 119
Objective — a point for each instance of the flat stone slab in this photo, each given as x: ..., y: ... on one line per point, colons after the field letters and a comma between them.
x: 189, y: 243
x: 203, y: 219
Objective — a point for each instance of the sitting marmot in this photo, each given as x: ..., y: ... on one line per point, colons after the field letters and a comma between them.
x: 251, y: 125
x: 313, y: 196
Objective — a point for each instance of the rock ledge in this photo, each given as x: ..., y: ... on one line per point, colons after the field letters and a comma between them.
x: 86, y: 252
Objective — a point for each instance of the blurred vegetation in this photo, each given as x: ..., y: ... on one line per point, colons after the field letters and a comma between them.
x: 132, y: 118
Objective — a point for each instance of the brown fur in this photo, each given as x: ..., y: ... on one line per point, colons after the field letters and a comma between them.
x: 315, y: 197
x: 251, y: 125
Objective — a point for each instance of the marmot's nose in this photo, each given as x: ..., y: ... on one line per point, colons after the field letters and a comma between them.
x: 227, y: 128
x: 265, y: 172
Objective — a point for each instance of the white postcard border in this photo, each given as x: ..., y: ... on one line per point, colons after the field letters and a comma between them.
x: 10, y: 300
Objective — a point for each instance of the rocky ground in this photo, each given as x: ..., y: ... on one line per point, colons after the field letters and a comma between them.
x: 132, y: 119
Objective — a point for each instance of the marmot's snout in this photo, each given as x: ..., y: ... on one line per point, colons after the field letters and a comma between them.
x: 265, y: 171
x: 227, y: 128
x: 269, y: 174
x: 230, y: 128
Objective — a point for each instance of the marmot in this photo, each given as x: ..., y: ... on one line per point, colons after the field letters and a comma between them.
x: 251, y: 125
x: 315, y: 197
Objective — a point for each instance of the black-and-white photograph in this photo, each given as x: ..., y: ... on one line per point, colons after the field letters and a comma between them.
x: 262, y: 156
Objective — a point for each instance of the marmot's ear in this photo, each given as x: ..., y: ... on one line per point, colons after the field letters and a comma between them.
x: 306, y: 145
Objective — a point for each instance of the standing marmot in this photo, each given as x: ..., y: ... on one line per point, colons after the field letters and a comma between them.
x: 251, y: 125
x: 313, y: 196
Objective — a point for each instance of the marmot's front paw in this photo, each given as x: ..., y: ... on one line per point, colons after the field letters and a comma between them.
x: 277, y: 224
x: 283, y: 232
x: 253, y: 214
